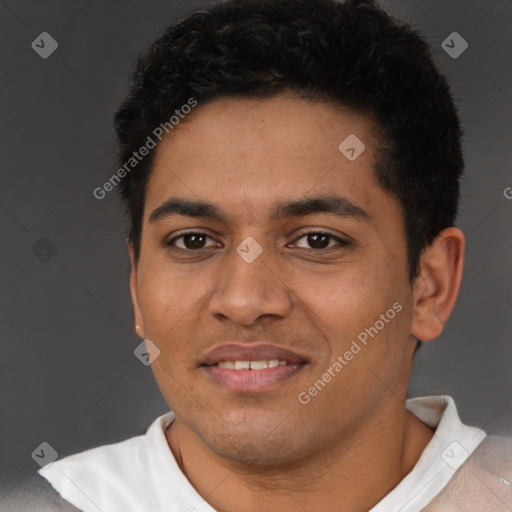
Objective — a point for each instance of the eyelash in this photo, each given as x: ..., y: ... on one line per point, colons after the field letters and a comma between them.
x: 341, y: 243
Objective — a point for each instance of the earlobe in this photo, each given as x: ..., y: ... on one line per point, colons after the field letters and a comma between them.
x: 139, y: 322
x: 437, y: 285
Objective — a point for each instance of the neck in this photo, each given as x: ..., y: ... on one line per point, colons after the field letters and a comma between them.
x: 363, y: 468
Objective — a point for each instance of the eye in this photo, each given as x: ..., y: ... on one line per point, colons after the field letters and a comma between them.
x: 318, y: 240
x: 190, y: 241
x: 312, y: 240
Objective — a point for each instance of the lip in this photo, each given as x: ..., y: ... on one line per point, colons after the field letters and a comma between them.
x: 252, y: 381
x: 251, y: 352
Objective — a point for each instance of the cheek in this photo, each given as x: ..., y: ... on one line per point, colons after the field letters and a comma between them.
x: 167, y: 297
x: 172, y: 303
x: 349, y: 299
x: 347, y: 306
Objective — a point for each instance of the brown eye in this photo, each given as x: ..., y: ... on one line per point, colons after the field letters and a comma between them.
x: 189, y: 241
x: 317, y: 240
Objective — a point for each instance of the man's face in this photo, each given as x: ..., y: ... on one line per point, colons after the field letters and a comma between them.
x: 321, y: 280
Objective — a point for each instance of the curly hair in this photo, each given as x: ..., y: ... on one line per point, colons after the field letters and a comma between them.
x: 351, y: 54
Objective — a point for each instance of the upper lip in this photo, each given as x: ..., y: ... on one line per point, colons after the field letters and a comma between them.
x: 251, y: 352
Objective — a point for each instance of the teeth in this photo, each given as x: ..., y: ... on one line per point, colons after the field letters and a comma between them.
x: 253, y: 365
x: 227, y: 364
x: 259, y: 365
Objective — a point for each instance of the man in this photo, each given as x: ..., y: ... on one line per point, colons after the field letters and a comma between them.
x: 291, y: 174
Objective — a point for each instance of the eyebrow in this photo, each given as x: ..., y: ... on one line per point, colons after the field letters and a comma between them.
x: 326, y: 203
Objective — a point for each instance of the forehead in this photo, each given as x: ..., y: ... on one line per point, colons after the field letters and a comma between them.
x: 247, y: 153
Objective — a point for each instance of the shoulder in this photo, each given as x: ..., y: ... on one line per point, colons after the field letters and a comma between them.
x: 135, y: 465
x: 483, y: 482
x: 99, y: 467
x: 36, y: 494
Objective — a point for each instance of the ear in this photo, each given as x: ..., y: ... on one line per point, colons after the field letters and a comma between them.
x: 139, y: 322
x: 436, y: 288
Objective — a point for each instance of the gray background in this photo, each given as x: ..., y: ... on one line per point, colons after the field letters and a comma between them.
x: 68, y: 374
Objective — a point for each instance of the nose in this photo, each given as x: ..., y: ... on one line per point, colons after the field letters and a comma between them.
x: 250, y: 290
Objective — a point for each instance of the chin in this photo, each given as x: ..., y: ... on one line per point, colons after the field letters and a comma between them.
x: 255, y: 454
x: 255, y: 443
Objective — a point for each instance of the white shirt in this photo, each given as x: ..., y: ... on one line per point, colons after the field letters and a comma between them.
x: 141, y: 474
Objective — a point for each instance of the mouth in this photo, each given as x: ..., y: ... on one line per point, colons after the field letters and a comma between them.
x: 250, y: 368
x: 251, y: 365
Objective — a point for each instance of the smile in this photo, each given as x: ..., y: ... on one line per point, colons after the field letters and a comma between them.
x: 251, y: 365
x: 242, y: 367
x: 252, y: 376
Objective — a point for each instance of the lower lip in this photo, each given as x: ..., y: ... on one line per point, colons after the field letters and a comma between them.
x: 250, y: 381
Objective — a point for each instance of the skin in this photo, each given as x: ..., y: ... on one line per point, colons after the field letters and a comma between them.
x: 354, y: 441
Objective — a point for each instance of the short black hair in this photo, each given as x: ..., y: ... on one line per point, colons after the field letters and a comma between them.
x: 351, y: 54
